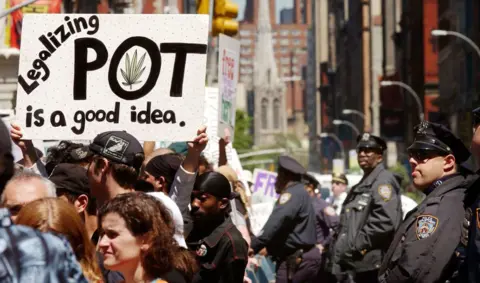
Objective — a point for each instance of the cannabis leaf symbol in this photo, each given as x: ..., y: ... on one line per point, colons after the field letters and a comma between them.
x: 132, y: 70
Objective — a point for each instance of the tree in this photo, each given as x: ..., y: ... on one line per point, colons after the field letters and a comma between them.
x: 242, y: 137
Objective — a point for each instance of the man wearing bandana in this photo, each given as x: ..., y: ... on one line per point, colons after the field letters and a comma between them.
x: 369, y: 217
x: 424, y: 247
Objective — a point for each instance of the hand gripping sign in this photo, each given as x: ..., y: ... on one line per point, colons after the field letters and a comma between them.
x: 83, y: 74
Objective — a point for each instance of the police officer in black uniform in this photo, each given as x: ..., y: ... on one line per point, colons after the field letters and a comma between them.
x: 469, y: 247
x: 370, y: 215
x: 423, y: 249
x: 289, y: 233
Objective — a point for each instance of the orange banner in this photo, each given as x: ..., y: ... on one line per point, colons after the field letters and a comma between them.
x: 39, y: 7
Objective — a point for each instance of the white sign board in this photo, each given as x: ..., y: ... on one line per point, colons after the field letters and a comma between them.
x: 263, y: 188
x: 259, y: 215
x: 210, y: 119
x: 83, y: 74
x: 228, y: 64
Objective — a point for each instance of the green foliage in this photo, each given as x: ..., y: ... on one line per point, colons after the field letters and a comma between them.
x: 242, y: 139
x: 402, y: 171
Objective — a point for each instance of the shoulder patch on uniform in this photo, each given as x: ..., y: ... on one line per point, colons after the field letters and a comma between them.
x: 426, y: 226
x: 329, y: 211
x: 478, y: 217
x: 385, y: 192
x: 284, y: 198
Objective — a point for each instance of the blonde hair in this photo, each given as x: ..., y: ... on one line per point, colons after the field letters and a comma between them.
x: 58, y: 216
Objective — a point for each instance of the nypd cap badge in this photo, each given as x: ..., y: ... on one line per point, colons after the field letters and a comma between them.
x: 284, y: 198
x: 426, y: 226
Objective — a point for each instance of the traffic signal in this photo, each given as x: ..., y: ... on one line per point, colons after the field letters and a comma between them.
x: 224, y: 14
x: 203, y: 6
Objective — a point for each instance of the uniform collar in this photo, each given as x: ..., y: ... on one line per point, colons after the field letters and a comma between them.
x: 439, y: 182
x: 370, y: 178
x: 213, y: 239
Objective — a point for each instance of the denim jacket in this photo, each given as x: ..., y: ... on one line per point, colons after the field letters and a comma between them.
x: 27, y: 255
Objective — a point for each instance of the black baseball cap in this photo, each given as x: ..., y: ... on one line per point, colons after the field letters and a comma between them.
x: 81, y: 153
x: 118, y: 146
x: 71, y: 177
x: 165, y: 165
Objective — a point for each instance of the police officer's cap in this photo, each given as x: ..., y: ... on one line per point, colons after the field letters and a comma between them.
x: 291, y: 165
x: 339, y: 178
x: 476, y: 117
x: 370, y: 141
x: 436, y: 137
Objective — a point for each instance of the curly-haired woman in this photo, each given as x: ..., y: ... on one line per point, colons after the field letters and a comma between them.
x: 136, y: 239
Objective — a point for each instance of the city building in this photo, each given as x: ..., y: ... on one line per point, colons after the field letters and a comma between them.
x: 290, y: 49
x: 458, y: 64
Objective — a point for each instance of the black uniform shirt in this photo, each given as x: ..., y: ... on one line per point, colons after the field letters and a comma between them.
x: 423, y: 249
x: 222, y: 255
x: 291, y: 226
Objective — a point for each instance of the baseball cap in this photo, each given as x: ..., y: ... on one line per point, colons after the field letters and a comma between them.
x: 81, y: 153
x: 118, y: 146
x: 71, y: 177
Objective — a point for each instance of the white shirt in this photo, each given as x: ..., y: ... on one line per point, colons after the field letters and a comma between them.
x: 176, y: 215
x: 338, y: 202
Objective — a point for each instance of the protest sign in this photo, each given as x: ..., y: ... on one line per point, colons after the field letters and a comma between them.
x: 228, y: 64
x: 264, y: 186
x: 83, y: 74
x: 210, y: 120
x: 259, y: 215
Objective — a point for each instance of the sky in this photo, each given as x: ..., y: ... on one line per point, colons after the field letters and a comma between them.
x: 280, y: 5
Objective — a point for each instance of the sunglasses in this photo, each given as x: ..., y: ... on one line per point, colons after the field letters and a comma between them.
x: 424, y: 155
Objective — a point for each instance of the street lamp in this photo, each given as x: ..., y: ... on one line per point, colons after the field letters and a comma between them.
x: 351, y: 125
x: 410, y: 90
x: 440, y: 32
x: 337, y: 140
x: 353, y: 111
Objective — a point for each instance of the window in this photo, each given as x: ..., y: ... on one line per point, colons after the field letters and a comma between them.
x: 245, y: 61
x: 245, y: 33
x: 296, y: 33
x: 284, y: 32
x: 297, y: 42
x: 276, y: 113
x: 246, y: 50
x: 284, y: 50
x: 246, y: 41
x: 284, y: 42
x: 264, y: 113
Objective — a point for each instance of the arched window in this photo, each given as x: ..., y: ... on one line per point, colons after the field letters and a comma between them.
x: 276, y: 113
x: 264, y: 113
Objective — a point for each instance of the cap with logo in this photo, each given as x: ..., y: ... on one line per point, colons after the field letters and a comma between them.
x: 81, y: 153
x: 118, y: 146
x: 437, y: 138
x: 291, y: 165
x: 71, y: 177
x: 339, y: 178
x: 367, y: 140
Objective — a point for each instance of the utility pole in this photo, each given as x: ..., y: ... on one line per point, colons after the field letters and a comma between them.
x: 367, y: 63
